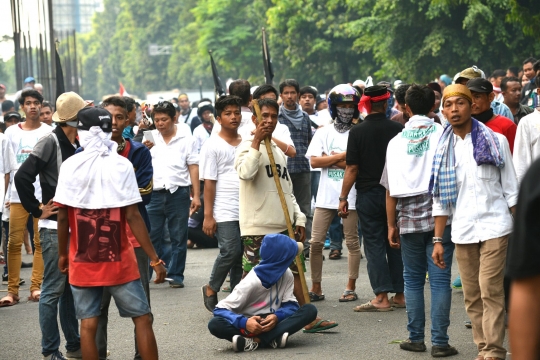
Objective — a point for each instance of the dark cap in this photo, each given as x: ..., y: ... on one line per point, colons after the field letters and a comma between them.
x: 12, y: 114
x: 435, y: 87
x: 93, y: 116
x: 480, y: 85
x: 7, y: 104
x: 375, y: 90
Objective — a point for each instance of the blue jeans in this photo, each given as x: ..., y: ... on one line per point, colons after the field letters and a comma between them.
x: 416, y: 250
x: 336, y: 234
x: 229, y: 257
x: 222, y: 328
x: 384, y: 264
x: 315, y: 179
x: 55, y: 295
x: 175, y: 209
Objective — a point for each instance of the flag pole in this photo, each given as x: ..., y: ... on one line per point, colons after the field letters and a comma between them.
x: 290, y: 230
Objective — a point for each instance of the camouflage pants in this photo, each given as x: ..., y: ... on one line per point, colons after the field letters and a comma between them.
x: 251, y: 257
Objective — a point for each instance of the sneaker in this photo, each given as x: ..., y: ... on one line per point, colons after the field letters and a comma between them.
x: 240, y: 343
x: 57, y: 355
x: 210, y: 302
x: 457, y: 283
x: 74, y: 355
x: 5, y: 280
x: 413, y: 346
x: 327, y: 244
x: 26, y: 264
x: 443, y: 351
x: 281, y: 341
x: 176, y: 284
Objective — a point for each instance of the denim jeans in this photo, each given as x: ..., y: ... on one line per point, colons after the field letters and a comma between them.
x: 103, y: 320
x: 175, y: 208
x: 315, y: 179
x: 222, y: 329
x: 229, y: 257
x: 416, y: 250
x: 302, y: 193
x: 384, y: 264
x: 55, y: 297
x: 336, y: 234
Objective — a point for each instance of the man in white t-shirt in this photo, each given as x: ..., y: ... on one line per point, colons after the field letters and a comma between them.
x: 327, y: 151
x: 205, y: 112
x: 176, y: 167
x: 240, y: 88
x: 221, y: 196
x: 23, y: 137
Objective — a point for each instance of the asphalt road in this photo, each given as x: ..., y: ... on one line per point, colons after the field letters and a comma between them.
x: 181, y: 321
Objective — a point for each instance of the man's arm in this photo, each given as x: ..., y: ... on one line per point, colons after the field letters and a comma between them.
x: 138, y: 228
x: 24, y: 183
x: 63, y: 240
x: 288, y: 150
x: 326, y: 161
x: 144, y: 172
x: 209, y: 223
x: 196, y: 187
x: 348, y: 181
x: 524, y: 319
x: 393, y: 232
x: 522, y: 149
x: 509, y: 183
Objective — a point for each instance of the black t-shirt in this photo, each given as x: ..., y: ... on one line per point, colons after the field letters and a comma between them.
x: 523, y: 258
x: 366, y: 148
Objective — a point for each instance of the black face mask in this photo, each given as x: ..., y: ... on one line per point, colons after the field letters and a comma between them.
x: 485, y: 116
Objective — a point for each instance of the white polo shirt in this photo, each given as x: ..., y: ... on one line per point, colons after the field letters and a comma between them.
x: 170, y: 161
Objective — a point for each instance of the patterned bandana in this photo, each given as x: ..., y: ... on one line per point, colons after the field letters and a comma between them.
x: 344, y: 119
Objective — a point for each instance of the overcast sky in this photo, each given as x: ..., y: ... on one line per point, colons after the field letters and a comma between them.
x: 6, y: 47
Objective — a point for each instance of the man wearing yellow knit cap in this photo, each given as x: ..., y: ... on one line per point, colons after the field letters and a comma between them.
x: 473, y: 179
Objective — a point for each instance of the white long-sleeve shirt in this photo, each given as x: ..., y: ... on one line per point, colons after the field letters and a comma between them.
x: 485, y: 194
x: 527, y: 144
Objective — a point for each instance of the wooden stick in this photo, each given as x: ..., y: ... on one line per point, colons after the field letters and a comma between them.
x: 299, y: 264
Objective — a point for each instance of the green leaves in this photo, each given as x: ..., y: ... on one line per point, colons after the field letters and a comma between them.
x: 317, y: 42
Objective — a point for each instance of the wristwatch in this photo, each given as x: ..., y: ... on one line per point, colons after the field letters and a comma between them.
x: 342, y: 198
x: 437, y: 240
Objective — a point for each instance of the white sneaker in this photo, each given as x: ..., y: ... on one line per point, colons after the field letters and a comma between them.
x: 243, y: 344
x: 281, y: 341
x: 74, y: 355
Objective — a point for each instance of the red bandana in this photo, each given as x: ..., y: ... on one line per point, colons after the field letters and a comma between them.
x: 365, y: 101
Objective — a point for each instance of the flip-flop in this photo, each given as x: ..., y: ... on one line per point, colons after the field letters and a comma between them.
x: 317, y: 327
x: 335, y: 255
x: 346, y: 293
x: 315, y: 297
x: 396, y: 305
x: 34, y: 295
x: 368, y: 307
x: 9, y: 300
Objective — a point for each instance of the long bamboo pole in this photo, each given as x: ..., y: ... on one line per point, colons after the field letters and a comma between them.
x: 290, y: 229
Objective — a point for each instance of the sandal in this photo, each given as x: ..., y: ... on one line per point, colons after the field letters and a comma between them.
x: 315, y: 297
x: 318, y: 326
x: 396, y: 305
x: 34, y: 295
x: 335, y: 254
x: 9, y: 300
x: 369, y: 307
x: 348, y: 295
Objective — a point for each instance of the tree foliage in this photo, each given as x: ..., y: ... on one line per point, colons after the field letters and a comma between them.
x: 318, y: 42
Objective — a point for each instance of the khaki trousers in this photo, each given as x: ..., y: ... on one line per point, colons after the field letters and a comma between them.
x: 322, y: 218
x: 17, y: 223
x: 481, y: 267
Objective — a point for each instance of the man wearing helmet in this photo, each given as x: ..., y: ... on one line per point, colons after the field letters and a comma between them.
x: 366, y: 154
x: 327, y: 152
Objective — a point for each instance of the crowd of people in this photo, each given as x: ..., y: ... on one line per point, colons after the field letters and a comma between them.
x: 114, y: 192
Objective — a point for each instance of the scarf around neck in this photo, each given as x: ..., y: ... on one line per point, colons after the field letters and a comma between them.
x: 294, y: 116
x: 485, y: 116
x: 343, y: 122
x: 486, y: 151
x: 98, y: 177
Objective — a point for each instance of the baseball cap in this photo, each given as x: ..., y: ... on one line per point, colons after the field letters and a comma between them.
x: 29, y: 80
x: 93, y: 116
x: 12, y: 114
x: 480, y: 85
x: 471, y: 73
x: 67, y: 106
